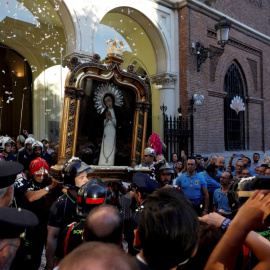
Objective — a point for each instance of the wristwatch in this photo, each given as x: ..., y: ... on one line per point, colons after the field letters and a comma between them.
x: 47, y: 189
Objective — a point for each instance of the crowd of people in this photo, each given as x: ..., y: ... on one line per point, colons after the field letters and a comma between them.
x: 187, y: 213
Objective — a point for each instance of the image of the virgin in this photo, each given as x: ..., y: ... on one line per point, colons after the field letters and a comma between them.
x: 110, y: 123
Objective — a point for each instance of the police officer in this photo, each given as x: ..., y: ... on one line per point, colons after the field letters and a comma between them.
x: 13, y: 223
x: 90, y: 195
x: 63, y: 211
x: 8, y: 172
x: 142, y: 186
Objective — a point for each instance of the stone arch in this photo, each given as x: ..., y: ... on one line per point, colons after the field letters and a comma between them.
x: 159, y: 39
x: 243, y: 66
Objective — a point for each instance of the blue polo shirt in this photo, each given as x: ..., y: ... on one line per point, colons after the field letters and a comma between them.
x: 191, y: 185
x: 212, y: 184
x: 220, y: 199
x: 252, y: 172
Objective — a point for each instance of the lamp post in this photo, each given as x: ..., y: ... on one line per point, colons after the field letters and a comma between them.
x: 223, y: 29
x: 191, y: 110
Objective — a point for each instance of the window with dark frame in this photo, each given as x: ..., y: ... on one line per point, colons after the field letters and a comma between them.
x: 233, y: 122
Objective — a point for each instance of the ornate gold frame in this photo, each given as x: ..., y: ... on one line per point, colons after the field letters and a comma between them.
x: 111, y: 72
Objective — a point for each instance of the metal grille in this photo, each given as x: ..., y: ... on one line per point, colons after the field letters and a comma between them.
x: 233, y: 122
x: 176, y: 135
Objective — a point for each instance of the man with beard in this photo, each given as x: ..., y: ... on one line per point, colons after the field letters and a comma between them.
x: 221, y: 204
x: 164, y: 173
x: 38, y: 152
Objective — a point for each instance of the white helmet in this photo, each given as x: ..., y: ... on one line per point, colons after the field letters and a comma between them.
x: 21, y: 139
x: 29, y: 141
x: 37, y: 144
x: 149, y: 152
x: 4, y: 141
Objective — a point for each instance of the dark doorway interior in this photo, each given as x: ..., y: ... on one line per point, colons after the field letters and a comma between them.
x: 15, y: 93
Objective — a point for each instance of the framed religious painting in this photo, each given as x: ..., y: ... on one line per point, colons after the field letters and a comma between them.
x: 105, y: 112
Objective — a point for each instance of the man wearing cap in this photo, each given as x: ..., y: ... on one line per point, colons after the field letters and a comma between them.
x: 8, y: 172
x: 149, y: 156
x: 13, y: 223
x: 142, y: 185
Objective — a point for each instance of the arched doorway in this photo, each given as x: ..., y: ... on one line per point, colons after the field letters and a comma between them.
x: 233, y: 122
x: 15, y: 93
x: 33, y: 36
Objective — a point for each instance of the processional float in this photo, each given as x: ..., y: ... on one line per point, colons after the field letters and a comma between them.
x: 95, y: 95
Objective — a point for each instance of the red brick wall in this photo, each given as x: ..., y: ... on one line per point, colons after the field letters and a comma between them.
x: 251, y: 57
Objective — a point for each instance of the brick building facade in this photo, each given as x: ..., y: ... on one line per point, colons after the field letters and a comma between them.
x: 246, y: 54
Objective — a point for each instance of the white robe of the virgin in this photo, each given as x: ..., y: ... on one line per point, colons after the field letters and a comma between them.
x: 107, y: 152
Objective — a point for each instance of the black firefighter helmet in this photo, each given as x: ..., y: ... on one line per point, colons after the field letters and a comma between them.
x: 92, y: 194
x: 73, y: 168
x: 162, y: 166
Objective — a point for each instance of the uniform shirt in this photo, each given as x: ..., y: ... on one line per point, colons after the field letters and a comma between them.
x: 220, y: 172
x: 10, y: 157
x: 252, y: 172
x: 130, y: 226
x: 25, y: 159
x: 20, y: 187
x: 63, y: 211
x: 212, y: 184
x: 221, y: 200
x: 191, y: 185
x: 71, y: 238
x: 40, y: 206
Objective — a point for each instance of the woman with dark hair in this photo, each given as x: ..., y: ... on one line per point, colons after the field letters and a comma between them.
x: 107, y: 152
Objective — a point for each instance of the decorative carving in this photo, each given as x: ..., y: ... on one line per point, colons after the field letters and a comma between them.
x: 70, y: 125
x: 79, y: 93
x: 147, y: 107
x: 69, y: 141
x: 96, y: 58
x: 237, y: 104
x: 166, y: 80
x: 75, y: 59
x: 115, y: 46
x: 86, y: 65
x: 130, y: 68
x: 134, y: 76
x: 68, y: 154
x: 70, y: 92
x: 138, y: 106
x: 56, y: 174
x: 72, y: 108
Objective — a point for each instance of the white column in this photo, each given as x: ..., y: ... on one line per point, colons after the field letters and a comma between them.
x: 165, y: 83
